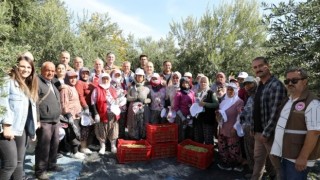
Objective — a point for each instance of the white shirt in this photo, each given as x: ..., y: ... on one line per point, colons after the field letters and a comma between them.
x: 312, y: 122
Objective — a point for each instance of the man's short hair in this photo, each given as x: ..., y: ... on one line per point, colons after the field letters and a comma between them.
x: 303, y: 73
x: 264, y: 59
x: 143, y: 55
x: 164, y: 62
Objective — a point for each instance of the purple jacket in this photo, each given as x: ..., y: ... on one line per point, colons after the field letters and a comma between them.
x: 183, y: 102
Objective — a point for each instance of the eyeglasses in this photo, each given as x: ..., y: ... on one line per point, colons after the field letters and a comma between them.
x: 293, y: 81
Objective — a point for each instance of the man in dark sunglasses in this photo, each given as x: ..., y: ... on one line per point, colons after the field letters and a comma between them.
x: 297, y: 132
x: 269, y: 95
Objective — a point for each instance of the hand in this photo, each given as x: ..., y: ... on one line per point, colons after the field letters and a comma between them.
x: 233, y: 133
x: 86, y: 111
x: 147, y: 101
x: 7, y: 132
x: 240, y: 109
x: 97, y: 118
x: 201, y: 103
x: 263, y: 139
x: 301, y: 163
x: 38, y: 125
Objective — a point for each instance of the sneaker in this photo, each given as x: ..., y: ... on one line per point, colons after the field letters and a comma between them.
x: 238, y: 168
x: 56, y: 169
x: 85, y: 151
x: 102, y: 151
x: 113, y: 149
x: 42, y: 176
x: 79, y: 155
x: 222, y: 167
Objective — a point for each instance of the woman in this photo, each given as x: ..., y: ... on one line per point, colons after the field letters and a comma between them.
x: 228, y: 141
x: 138, y: 111
x: 219, y: 87
x: 71, y: 108
x: 85, y: 88
x: 20, y: 118
x: 204, y: 123
x: 103, y: 97
x: 182, y: 103
x: 171, y: 91
x: 61, y: 72
x: 158, y: 94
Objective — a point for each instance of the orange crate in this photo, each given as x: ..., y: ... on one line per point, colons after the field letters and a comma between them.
x: 127, y: 154
x: 200, y: 160
x: 157, y: 133
x: 164, y: 150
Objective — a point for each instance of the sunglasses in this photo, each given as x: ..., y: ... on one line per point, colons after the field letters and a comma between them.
x: 293, y: 81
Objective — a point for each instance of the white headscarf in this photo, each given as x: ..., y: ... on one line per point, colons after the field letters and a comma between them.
x: 228, y: 101
x: 106, y: 85
x: 114, y: 78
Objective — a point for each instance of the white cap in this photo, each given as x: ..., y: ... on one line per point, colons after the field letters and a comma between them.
x: 243, y: 75
x: 104, y: 75
x: 187, y: 74
x: 139, y: 71
x: 156, y: 75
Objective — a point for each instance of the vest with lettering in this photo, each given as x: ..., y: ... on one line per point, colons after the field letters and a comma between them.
x: 293, y: 142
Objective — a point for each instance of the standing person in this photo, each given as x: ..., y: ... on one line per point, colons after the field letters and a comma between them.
x: 242, y: 92
x: 61, y: 71
x: 270, y: 93
x: 158, y: 94
x: 138, y: 111
x: 85, y: 88
x: 297, y: 132
x: 166, y: 71
x: 71, y: 108
x: 103, y: 97
x: 118, y: 84
x: 204, y: 122
x: 196, y: 84
x: 149, y: 70
x: 64, y: 58
x: 250, y: 85
x: 95, y: 73
x: 182, y: 103
x: 143, y: 60
x: 228, y: 140
x: 127, y: 75
x: 219, y: 86
x: 171, y: 91
x: 110, y: 66
x: 48, y: 133
x: 20, y: 118
x: 78, y: 64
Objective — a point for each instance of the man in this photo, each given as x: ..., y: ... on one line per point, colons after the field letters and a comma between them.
x: 270, y: 93
x: 48, y: 133
x: 127, y: 75
x: 77, y: 64
x: 110, y: 66
x: 166, y: 71
x: 98, y: 69
x: 298, y: 128
x: 65, y: 59
x: 143, y: 61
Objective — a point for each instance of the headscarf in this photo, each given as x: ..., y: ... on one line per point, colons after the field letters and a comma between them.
x: 83, y: 70
x: 107, y: 85
x: 67, y: 77
x: 114, y: 78
x: 204, y: 91
x: 179, y: 76
x: 228, y: 101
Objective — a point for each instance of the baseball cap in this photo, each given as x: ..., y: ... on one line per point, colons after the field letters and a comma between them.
x: 85, y: 69
x: 243, y: 75
x: 139, y: 71
x: 250, y: 79
x: 187, y: 74
x: 71, y: 74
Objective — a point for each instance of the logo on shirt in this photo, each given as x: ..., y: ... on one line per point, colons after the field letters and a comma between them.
x: 300, y: 106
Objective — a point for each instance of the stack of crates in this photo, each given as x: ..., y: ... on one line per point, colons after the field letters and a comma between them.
x: 163, y: 139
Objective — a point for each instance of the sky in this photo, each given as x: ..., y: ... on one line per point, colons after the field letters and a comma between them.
x: 145, y: 18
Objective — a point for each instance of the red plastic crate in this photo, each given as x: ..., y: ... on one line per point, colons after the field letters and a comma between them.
x: 164, y: 150
x: 126, y: 154
x: 158, y: 133
x: 200, y: 160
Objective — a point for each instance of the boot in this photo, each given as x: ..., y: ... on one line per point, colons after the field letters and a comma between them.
x: 102, y: 150
x: 113, y: 146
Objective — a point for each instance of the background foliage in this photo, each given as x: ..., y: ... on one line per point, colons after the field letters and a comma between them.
x: 224, y: 38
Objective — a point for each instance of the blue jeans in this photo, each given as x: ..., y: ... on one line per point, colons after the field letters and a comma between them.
x: 290, y: 173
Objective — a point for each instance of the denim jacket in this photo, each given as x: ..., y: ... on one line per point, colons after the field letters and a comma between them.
x: 16, y: 105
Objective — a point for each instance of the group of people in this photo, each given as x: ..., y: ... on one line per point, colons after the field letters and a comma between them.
x: 64, y: 108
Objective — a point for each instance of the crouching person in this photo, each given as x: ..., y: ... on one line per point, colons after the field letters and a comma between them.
x: 103, y: 99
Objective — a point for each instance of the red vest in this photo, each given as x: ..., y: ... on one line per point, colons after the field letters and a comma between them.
x: 102, y: 102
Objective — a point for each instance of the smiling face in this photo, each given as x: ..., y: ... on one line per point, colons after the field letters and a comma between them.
x: 61, y: 71
x: 149, y: 68
x: 64, y: 58
x: 139, y: 78
x: 230, y: 92
x: 85, y: 75
x: 48, y: 70
x: 24, y: 69
x: 203, y: 83
x: 175, y: 79
x: 110, y: 58
x: 73, y: 80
